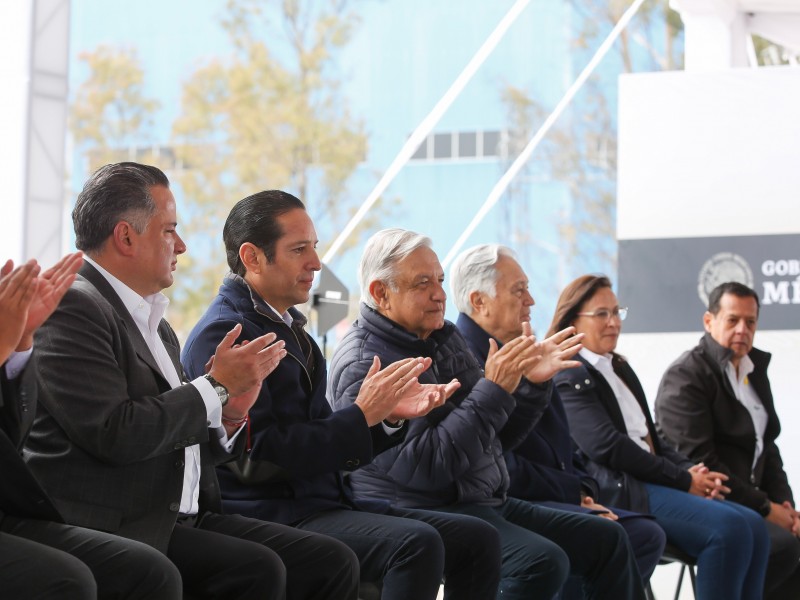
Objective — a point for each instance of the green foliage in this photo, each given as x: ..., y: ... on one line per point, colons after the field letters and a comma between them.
x: 270, y: 116
x: 771, y: 54
x: 110, y: 110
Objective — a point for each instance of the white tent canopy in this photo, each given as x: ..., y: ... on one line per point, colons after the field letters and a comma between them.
x: 718, y: 32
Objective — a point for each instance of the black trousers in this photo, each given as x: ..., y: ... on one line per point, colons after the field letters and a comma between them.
x: 43, y: 560
x: 783, y: 569
x: 541, y: 546
x: 409, y: 551
x: 230, y: 556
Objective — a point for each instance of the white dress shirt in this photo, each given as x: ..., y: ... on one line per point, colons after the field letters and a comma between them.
x: 147, y: 313
x: 749, y: 399
x: 635, y: 422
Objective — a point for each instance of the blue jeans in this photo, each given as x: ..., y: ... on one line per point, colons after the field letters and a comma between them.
x: 541, y: 546
x: 730, y: 541
x: 410, y: 550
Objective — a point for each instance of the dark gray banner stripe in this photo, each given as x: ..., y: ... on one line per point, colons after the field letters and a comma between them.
x: 665, y: 282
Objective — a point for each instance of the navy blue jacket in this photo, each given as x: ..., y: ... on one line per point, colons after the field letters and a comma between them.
x: 453, y: 454
x: 292, y: 427
x: 544, y: 467
x: 617, y: 463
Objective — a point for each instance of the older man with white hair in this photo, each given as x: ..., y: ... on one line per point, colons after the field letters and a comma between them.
x: 452, y: 459
x: 491, y: 291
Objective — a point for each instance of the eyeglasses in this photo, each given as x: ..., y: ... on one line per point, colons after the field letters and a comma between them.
x: 604, y: 314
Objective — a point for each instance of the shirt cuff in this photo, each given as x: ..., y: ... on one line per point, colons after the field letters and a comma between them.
x: 211, y: 400
x: 229, y: 442
x: 17, y: 362
x: 389, y: 430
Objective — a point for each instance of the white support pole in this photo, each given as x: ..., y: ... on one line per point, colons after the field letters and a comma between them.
x: 428, y: 123
x: 46, y: 131
x: 501, y: 186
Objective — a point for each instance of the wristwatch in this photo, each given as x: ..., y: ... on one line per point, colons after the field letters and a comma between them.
x: 222, y: 391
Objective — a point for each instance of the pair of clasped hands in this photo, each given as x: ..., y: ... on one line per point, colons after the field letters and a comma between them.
x: 711, y: 484
x: 784, y: 515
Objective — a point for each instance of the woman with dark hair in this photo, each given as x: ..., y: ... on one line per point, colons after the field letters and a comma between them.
x: 635, y: 469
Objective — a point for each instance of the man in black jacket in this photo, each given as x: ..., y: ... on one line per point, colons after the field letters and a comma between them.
x: 715, y: 405
x: 40, y: 556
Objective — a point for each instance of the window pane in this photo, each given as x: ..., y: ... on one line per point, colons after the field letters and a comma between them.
x: 442, y: 145
x: 467, y: 144
x: 491, y: 143
x: 422, y: 151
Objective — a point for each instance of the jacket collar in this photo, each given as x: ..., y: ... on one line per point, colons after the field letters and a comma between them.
x: 236, y: 290
x: 721, y: 356
x: 101, y: 284
x: 401, y: 337
x: 476, y: 336
x: 251, y: 299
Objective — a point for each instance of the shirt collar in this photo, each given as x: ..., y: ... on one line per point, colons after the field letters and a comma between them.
x: 746, y: 366
x: 146, y: 311
x: 287, y: 318
x: 593, y: 358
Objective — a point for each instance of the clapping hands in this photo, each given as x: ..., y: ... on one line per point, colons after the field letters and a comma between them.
x: 28, y: 297
x: 555, y: 351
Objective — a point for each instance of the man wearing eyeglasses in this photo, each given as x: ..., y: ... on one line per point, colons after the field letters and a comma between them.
x: 715, y: 405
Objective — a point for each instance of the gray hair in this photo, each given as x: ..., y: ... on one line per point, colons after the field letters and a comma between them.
x: 474, y: 271
x: 114, y: 193
x: 383, y: 251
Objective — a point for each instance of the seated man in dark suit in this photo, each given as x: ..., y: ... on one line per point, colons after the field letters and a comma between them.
x: 490, y: 290
x: 302, y: 446
x: 40, y: 556
x: 123, y: 443
x: 715, y: 405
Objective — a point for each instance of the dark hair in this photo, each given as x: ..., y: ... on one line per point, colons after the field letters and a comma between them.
x: 572, y: 299
x: 730, y: 287
x: 255, y: 219
x: 114, y: 193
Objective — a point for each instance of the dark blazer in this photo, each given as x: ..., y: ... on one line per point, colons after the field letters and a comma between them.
x: 545, y: 466
x: 109, y: 436
x: 292, y: 426
x: 617, y: 463
x: 697, y: 410
x: 21, y: 495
